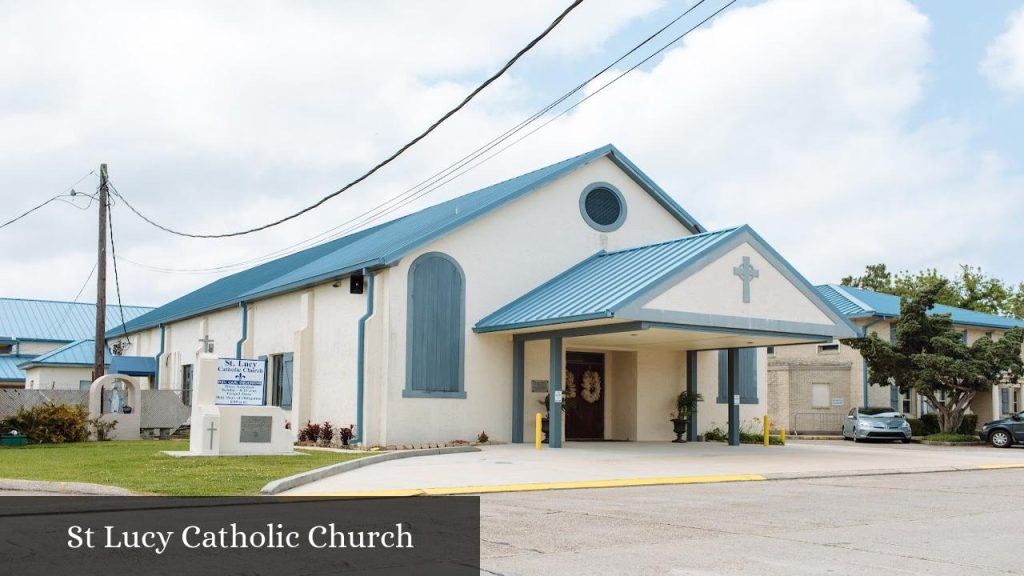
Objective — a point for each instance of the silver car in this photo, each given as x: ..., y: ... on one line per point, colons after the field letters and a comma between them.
x: 881, y: 423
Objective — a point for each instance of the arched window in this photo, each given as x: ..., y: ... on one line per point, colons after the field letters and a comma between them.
x: 435, y: 332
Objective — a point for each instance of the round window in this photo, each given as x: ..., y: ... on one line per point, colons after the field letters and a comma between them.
x: 603, y: 207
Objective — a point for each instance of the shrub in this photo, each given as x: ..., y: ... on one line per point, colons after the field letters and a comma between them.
x: 916, y: 426
x: 482, y: 437
x: 326, y: 434
x: 931, y: 424
x: 716, y: 434
x: 309, y: 433
x: 346, y: 434
x: 102, y: 427
x: 952, y: 438
x: 51, y: 423
x: 755, y: 438
x: 969, y: 425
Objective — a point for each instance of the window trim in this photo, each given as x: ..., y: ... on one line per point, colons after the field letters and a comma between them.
x: 618, y: 196
x: 830, y: 351
x: 273, y: 395
x: 408, y: 391
x: 186, y: 391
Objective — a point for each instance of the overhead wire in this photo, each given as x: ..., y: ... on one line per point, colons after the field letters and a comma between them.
x: 58, y: 197
x: 117, y: 279
x: 448, y: 174
x: 387, y: 160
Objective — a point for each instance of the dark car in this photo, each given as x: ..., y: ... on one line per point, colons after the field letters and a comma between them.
x: 1004, y: 433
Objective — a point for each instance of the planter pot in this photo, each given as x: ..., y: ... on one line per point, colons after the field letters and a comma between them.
x: 13, y: 441
x: 544, y: 426
x: 679, y: 428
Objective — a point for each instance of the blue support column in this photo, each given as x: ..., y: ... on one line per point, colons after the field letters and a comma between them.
x: 555, y: 395
x: 732, y: 392
x: 691, y: 387
x: 518, y: 389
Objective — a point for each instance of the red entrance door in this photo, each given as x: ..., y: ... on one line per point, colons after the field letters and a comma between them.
x: 584, y: 418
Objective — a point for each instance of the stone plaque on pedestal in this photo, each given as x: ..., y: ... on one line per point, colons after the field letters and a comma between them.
x: 255, y: 429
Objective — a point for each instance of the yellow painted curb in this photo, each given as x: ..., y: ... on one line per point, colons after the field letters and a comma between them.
x: 541, y: 486
x: 999, y: 466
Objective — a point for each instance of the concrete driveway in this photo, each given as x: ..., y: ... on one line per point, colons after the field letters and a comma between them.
x: 514, y: 467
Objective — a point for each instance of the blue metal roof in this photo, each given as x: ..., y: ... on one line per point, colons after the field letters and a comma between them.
x: 48, y: 320
x: 78, y: 353
x: 9, y: 371
x: 384, y: 244
x: 601, y: 284
x: 860, y: 303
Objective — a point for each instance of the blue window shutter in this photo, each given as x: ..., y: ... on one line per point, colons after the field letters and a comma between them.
x: 266, y: 381
x: 286, y: 380
x: 1004, y: 400
x: 747, y: 378
x: 894, y: 396
x: 436, y: 325
x: 723, y: 374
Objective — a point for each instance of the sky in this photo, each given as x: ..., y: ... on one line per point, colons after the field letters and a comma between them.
x: 846, y: 132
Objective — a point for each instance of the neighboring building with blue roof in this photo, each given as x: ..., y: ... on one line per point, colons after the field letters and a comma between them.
x: 823, y: 382
x: 583, y: 280
x: 30, y: 328
x: 66, y: 368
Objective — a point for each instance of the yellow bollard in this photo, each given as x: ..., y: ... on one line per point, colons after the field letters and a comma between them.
x: 782, y: 436
x: 537, y: 434
x: 767, y: 431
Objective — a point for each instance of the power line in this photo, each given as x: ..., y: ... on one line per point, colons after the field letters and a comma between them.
x: 58, y: 197
x: 73, y: 303
x: 387, y: 160
x: 447, y: 174
x: 117, y: 280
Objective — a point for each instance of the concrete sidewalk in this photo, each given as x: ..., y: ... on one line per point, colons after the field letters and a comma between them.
x: 515, y: 467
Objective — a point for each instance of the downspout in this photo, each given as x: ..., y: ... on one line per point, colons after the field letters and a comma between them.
x: 357, y: 438
x: 245, y: 330
x: 865, y: 363
x: 159, y: 355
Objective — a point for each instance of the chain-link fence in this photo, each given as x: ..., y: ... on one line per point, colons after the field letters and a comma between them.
x: 162, y: 410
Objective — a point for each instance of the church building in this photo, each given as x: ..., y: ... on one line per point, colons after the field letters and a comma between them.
x: 583, y: 282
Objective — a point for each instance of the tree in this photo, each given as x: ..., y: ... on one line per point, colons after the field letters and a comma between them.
x: 971, y: 289
x: 929, y: 356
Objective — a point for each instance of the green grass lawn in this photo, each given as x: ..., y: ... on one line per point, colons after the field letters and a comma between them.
x: 951, y: 437
x: 141, y: 467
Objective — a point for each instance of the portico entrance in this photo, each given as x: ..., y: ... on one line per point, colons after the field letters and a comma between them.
x: 659, y: 311
x: 585, y: 380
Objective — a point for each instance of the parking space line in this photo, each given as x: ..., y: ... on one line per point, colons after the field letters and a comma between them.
x: 999, y: 466
x: 542, y: 486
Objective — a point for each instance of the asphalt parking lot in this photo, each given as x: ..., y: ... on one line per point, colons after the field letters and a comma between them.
x: 932, y: 524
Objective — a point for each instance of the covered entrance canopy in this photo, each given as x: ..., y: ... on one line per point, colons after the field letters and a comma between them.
x: 723, y: 290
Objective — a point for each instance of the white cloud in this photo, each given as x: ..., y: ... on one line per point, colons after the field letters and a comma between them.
x: 1004, y: 60
x: 795, y: 116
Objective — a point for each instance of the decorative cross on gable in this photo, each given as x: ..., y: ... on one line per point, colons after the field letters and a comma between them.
x: 746, y: 272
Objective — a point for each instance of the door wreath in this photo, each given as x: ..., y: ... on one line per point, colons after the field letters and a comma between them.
x: 591, y: 386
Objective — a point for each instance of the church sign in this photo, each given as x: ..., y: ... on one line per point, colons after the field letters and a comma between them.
x: 241, y: 382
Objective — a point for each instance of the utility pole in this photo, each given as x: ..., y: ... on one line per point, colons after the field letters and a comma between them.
x: 101, y: 280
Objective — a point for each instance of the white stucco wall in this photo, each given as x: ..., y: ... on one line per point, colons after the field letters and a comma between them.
x: 318, y: 325
x: 661, y: 376
x: 499, y: 254
x: 711, y: 414
x: 716, y: 289
x: 56, y: 377
x: 30, y: 348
